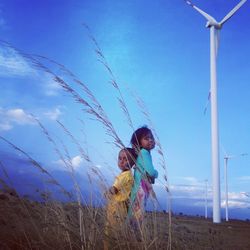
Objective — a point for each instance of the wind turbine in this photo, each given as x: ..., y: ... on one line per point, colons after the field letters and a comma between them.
x: 214, y: 30
x: 226, y: 158
x: 246, y: 194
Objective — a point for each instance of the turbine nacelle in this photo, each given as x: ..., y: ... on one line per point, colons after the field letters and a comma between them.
x: 217, y: 25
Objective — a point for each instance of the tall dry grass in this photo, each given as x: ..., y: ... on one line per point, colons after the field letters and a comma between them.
x: 78, y: 223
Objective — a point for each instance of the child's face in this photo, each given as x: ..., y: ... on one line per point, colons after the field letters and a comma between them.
x: 123, y: 161
x: 148, y: 141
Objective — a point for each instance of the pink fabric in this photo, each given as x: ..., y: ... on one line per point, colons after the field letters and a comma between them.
x: 140, y: 201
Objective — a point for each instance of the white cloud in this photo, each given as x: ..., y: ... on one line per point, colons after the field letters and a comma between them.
x: 51, y: 88
x: 236, y: 204
x: 190, y: 180
x: 187, y: 191
x: 19, y: 116
x: 201, y: 203
x: 13, y: 64
x: 191, y: 188
x: 53, y: 114
x: 14, y: 116
x: 235, y: 199
x: 5, y: 126
x: 235, y: 196
x: 75, y: 162
x: 185, y: 188
x: 58, y: 163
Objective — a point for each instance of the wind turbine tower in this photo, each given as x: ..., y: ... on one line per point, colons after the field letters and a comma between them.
x: 206, y: 199
x: 215, y: 27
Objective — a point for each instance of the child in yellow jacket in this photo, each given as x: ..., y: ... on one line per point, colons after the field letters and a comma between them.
x: 118, y: 195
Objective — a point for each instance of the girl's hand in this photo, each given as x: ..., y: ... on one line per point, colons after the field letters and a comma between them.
x: 113, y: 190
x: 151, y: 179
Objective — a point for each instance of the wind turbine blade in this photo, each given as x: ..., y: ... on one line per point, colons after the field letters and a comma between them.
x: 203, y: 13
x: 231, y: 156
x: 224, y: 151
x: 230, y: 14
x: 243, y: 154
x: 208, y: 100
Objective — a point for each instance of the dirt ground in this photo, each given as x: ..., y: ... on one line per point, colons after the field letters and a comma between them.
x: 199, y: 233
x: 32, y: 225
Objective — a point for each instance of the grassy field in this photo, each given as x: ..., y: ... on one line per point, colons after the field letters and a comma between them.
x: 28, y: 224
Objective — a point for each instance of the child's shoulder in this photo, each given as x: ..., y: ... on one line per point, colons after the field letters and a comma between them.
x: 126, y: 175
x: 144, y: 151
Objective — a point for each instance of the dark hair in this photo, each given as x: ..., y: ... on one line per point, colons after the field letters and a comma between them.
x: 138, y: 135
x: 131, y: 154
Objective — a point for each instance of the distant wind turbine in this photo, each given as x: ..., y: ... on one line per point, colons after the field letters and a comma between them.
x: 226, y: 158
x: 246, y: 194
x: 214, y: 33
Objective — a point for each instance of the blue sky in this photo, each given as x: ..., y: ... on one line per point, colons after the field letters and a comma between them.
x: 156, y: 49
